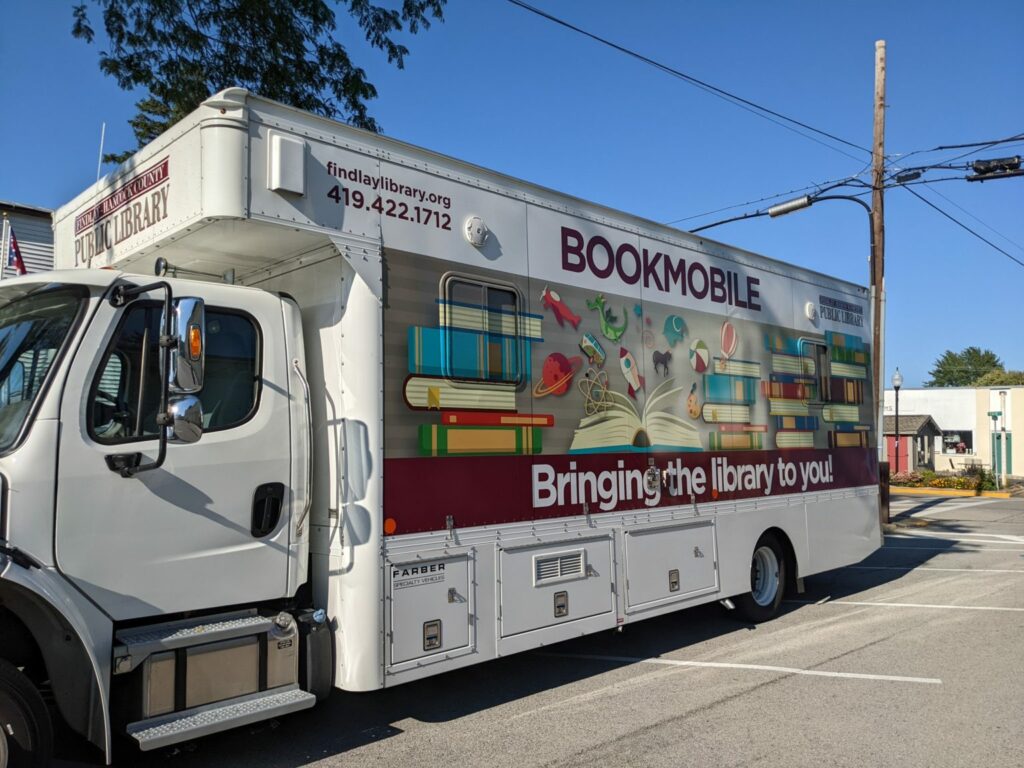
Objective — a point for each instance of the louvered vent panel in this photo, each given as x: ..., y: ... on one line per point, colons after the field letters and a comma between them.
x: 559, y: 566
x: 571, y: 565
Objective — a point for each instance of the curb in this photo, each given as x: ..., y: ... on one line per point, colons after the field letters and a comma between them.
x: 901, y: 491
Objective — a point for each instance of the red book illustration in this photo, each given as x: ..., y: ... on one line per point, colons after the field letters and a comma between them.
x: 490, y: 419
x: 553, y: 301
x: 786, y: 390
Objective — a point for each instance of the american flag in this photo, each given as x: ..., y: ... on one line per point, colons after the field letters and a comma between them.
x: 14, y: 253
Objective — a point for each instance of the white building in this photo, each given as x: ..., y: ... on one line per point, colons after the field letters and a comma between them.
x: 969, y: 433
x: 33, y: 227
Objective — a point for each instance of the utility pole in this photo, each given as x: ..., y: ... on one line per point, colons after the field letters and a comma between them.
x: 877, y: 267
x: 878, y: 243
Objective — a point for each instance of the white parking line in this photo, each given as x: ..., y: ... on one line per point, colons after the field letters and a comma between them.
x: 826, y: 601
x: 1000, y: 538
x: 951, y: 551
x: 980, y: 546
x: 753, y: 667
x: 929, y: 568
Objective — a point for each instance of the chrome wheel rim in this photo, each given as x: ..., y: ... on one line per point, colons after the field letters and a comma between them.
x: 764, y: 576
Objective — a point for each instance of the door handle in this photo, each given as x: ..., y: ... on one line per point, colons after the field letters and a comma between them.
x: 267, y: 501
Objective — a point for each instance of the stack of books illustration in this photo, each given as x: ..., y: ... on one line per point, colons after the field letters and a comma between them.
x: 468, y: 369
x: 729, y: 393
x: 792, y: 384
x: 848, y: 373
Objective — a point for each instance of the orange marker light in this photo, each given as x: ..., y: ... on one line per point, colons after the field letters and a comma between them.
x: 195, y: 342
x: 390, y: 526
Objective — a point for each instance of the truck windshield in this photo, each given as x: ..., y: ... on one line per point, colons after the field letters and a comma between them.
x: 34, y: 324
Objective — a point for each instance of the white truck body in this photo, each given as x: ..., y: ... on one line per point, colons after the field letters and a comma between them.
x: 528, y: 418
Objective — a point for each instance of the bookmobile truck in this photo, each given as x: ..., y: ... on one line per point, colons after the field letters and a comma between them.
x: 308, y: 408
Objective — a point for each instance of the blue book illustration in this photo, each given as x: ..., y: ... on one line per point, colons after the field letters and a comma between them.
x: 784, y: 344
x: 462, y: 354
x: 723, y: 388
x: 848, y: 426
x: 846, y: 340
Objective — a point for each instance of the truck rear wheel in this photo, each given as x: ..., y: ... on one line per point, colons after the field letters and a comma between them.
x: 767, y: 580
x: 26, y: 734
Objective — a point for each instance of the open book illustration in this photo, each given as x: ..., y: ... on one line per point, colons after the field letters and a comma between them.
x: 619, y: 427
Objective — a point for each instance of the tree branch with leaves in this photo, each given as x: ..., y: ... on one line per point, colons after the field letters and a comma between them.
x: 964, y: 368
x: 178, y: 52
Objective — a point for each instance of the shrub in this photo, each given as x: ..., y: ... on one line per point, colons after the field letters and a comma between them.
x: 984, y: 479
x: 975, y: 478
x: 908, y: 479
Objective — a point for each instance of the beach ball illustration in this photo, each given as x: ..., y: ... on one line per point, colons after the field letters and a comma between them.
x: 700, y: 357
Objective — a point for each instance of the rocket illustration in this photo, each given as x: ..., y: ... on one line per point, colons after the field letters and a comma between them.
x: 629, y: 371
x: 554, y: 302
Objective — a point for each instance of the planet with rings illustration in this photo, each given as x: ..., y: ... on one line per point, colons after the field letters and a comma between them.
x: 556, y: 374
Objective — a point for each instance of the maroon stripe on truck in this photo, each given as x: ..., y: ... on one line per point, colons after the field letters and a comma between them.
x: 420, y: 493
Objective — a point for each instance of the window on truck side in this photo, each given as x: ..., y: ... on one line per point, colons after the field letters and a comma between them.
x: 482, y: 335
x: 125, y: 395
x: 817, y: 369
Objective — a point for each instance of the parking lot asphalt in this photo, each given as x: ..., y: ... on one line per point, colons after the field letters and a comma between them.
x: 913, y: 657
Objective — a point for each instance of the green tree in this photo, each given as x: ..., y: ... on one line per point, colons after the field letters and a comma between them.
x: 177, y: 52
x: 963, y: 369
x: 1000, y: 378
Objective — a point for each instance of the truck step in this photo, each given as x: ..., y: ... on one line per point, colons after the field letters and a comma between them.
x: 133, y: 646
x: 191, y: 724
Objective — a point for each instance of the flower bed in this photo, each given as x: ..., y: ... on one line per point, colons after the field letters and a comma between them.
x: 970, y: 479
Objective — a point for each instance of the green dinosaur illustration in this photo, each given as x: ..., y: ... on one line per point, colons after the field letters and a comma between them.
x: 611, y: 331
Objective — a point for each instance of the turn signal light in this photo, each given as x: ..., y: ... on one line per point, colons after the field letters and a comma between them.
x: 195, y: 342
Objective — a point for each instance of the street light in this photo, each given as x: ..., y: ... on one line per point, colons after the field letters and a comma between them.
x: 807, y: 201
x: 897, y: 382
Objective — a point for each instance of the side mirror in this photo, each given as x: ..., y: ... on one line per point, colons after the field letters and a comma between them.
x: 188, y: 357
x: 185, y: 417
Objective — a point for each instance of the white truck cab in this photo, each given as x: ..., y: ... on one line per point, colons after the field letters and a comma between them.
x: 107, y: 521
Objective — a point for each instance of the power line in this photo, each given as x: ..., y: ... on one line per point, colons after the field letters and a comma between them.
x: 942, y: 147
x: 767, y: 211
x: 964, y: 226
x: 978, y: 147
x: 923, y: 181
x: 982, y: 143
x: 819, y: 186
x: 732, y: 98
x: 980, y: 221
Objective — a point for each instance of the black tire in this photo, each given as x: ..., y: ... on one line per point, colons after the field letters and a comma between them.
x: 768, y: 574
x: 27, y: 740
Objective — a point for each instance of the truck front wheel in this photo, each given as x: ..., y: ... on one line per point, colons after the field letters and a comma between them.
x: 26, y: 734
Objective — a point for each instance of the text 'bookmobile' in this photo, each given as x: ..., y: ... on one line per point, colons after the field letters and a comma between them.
x: 305, y: 407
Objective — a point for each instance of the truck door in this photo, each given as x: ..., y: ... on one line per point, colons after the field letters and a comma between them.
x: 184, y: 536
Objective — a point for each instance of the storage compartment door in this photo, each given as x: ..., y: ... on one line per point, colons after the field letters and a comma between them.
x: 554, y: 583
x: 670, y: 563
x: 431, y: 608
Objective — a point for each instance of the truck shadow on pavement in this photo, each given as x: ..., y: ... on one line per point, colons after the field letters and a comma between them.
x: 348, y: 721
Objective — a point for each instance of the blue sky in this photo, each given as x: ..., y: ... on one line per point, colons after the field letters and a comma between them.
x: 503, y: 88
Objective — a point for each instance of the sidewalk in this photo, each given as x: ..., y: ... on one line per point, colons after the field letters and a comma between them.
x: 897, y: 490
